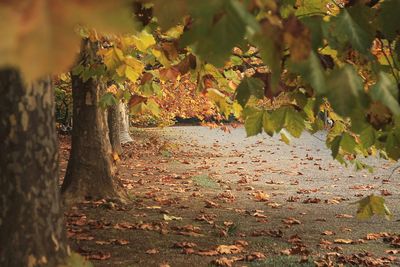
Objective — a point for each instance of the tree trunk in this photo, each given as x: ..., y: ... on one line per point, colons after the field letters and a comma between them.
x: 114, y: 130
x: 90, y: 170
x: 31, y: 219
x: 124, y: 124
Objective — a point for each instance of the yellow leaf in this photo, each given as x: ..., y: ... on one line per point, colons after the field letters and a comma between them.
x: 143, y: 41
x: 372, y: 205
x: 131, y: 73
x: 121, y: 70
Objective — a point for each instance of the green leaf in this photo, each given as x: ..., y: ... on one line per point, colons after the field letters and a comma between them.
x: 352, y: 25
x: 392, y: 145
x: 76, y: 260
x: 253, y: 121
x: 249, y: 87
x: 385, y: 91
x: 269, y: 41
x: 288, y: 118
x: 345, y: 90
x: 108, y: 100
x: 368, y: 137
x: 388, y: 18
x: 220, y: 101
x: 335, y: 146
x: 284, y: 137
x: 153, y: 107
x: 171, y: 14
x: 314, y: 24
x: 372, y: 205
x: 348, y: 143
x: 310, y: 7
x: 213, y: 41
x: 311, y: 70
x: 268, y: 125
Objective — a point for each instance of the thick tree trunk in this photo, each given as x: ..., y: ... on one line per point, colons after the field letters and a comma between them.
x: 114, y: 129
x: 90, y: 170
x: 124, y: 124
x: 31, y: 220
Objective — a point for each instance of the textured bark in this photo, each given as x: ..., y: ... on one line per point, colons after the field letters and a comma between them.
x: 124, y: 124
x: 31, y: 220
x: 90, y: 168
x: 114, y: 130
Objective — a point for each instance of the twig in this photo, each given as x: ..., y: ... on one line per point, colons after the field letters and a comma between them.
x: 396, y: 168
x: 387, y: 59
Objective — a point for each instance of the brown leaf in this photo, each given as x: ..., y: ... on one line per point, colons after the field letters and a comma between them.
x: 119, y: 242
x: 152, y: 251
x: 298, y: 37
x: 136, y: 99
x: 392, y: 251
x: 328, y: 233
x: 347, y: 216
x: 185, y: 245
x: 261, y: 196
x: 255, y: 256
x: 169, y: 74
x: 211, y: 204
x: 229, y: 249
x: 343, y: 241
x: 385, y: 192
x: 99, y: 256
x: 223, y: 262
x: 291, y: 221
x: 207, y: 252
x: 312, y: 200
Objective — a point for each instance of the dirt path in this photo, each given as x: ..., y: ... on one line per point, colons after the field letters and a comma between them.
x: 200, y: 195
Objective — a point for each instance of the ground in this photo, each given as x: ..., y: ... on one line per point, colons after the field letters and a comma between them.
x: 204, y: 197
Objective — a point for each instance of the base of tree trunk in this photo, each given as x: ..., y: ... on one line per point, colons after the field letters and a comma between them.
x: 32, y: 230
x: 91, y: 170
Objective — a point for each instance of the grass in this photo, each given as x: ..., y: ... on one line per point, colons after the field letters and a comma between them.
x: 284, y: 261
x: 205, y: 181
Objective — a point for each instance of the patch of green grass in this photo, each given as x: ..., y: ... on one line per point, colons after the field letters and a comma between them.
x: 284, y: 261
x: 166, y: 153
x: 205, y: 181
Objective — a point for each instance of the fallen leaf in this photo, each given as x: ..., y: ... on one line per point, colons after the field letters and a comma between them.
x: 184, y: 245
x: 291, y: 221
x: 101, y: 256
x: 261, y: 196
x: 229, y: 249
x: 327, y: 233
x: 343, y: 241
x: 152, y: 251
x: 171, y: 218
x: 348, y: 216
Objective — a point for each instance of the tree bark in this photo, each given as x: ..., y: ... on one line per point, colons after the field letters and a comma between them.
x: 114, y: 129
x: 31, y: 219
x: 124, y: 124
x: 90, y: 171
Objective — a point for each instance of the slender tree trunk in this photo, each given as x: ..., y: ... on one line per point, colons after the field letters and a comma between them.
x: 114, y: 129
x: 90, y: 170
x: 31, y: 220
x: 124, y: 124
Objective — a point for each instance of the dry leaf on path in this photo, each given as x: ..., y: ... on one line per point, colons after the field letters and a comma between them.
x: 152, y: 251
x: 229, y: 249
x: 343, y: 241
